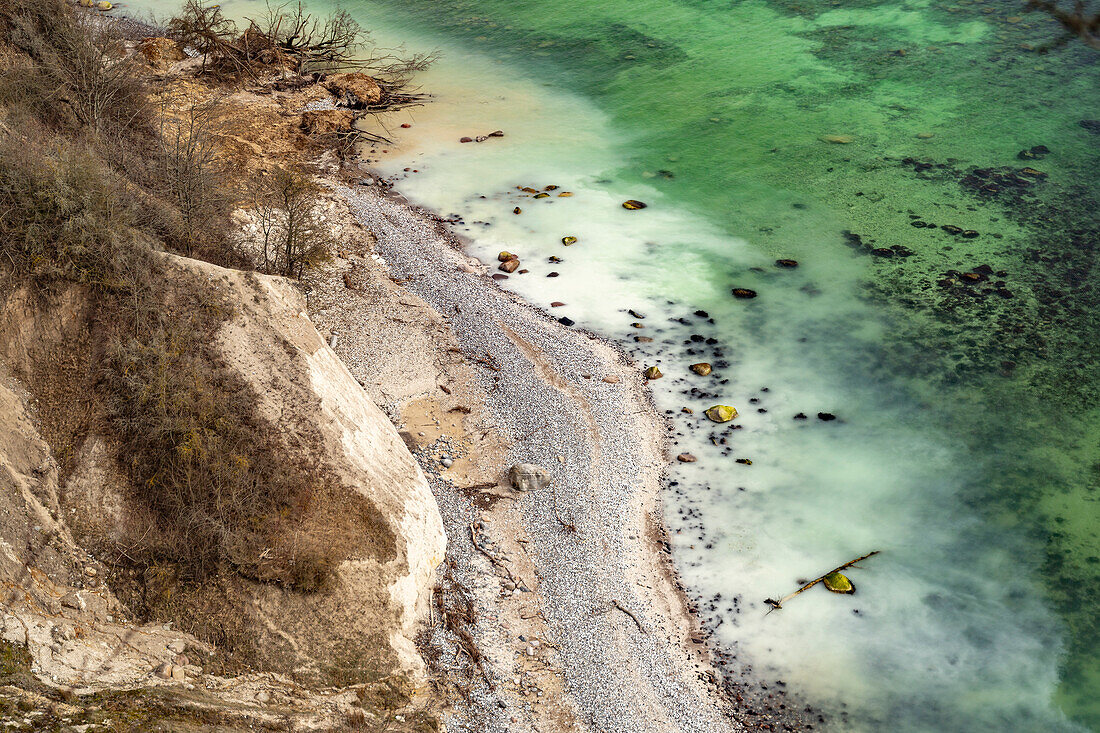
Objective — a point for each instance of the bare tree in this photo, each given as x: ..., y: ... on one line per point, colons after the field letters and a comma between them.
x: 312, y: 43
x: 293, y: 235
x: 203, y: 27
x: 192, y: 171
x: 82, y: 65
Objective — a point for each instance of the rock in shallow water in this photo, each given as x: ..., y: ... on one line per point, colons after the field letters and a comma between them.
x: 721, y: 413
x: 633, y: 205
x: 528, y: 477
x: 702, y: 368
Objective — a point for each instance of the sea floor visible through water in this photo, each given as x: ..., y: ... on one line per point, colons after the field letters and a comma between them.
x: 933, y: 173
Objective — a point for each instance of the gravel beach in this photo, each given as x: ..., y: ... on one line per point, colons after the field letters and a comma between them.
x: 584, y: 560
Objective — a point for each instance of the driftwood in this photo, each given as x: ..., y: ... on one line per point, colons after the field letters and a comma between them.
x: 629, y: 613
x: 779, y: 604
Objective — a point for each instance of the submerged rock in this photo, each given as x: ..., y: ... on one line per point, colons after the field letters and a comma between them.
x: 702, y: 368
x: 837, y: 139
x: 787, y: 263
x: 744, y: 293
x: 528, y: 477
x: 653, y: 373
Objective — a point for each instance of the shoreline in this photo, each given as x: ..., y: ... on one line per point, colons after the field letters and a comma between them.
x: 597, y: 609
x: 555, y: 605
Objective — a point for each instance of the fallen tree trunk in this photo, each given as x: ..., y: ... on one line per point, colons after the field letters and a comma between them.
x: 779, y: 604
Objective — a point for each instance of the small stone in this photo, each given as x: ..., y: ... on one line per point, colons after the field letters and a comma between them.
x: 925, y: 135
x: 509, y: 266
x: 179, y: 674
x: 611, y: 380
x: 447, y: 462
x: 499, y: 276
x: 557, y: 304
x: 633, y: 205
x: 517, y: 210
x: 653, y: 373
x: 787, y: 263
x: 744, y: 293
x: 541, y: 196
x: 528, y: 477
x: 466, y: 140
x: 553, y: 274
x: 826, y: 416
x: 263, y: 697
x: 636, y: 314
x: 565, y: 194
x: 566, y: 321
x: 505, y: 255
x: 686, y: 458
x: 164, y: 671
x: 702, y: 368
x: 91, y: 572
x: 636, y: 325
x: 178, y: 647
x: 837, y: 139
x: 568, y: 240
x: 643, y: 339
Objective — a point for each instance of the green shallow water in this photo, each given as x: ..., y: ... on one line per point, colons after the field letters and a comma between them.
x: 970, y: 445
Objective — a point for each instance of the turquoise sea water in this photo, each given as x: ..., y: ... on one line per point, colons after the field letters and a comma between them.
x: 967, y: 444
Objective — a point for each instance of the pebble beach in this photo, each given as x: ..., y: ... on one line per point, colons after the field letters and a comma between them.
x: 580, y: 621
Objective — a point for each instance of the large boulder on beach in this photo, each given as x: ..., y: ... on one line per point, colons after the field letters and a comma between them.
x: 354, y: 89
x: 528, y: 477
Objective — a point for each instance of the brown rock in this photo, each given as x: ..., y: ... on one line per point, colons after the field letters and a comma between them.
x: 557, y: 304
x: 509, y: 265
x: 702, y: 368
x: 653, y: 373
x: 686, y: 458
x: 160, y: 53
x: 355, y: 90
x: 611, y: 380
x: 326, y: 121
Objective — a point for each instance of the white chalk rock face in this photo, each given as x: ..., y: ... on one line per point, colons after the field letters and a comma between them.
x: 274, y: 346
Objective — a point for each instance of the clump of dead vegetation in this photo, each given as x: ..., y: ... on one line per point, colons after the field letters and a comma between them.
x: 96, y: 182
x: 289, y: 39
